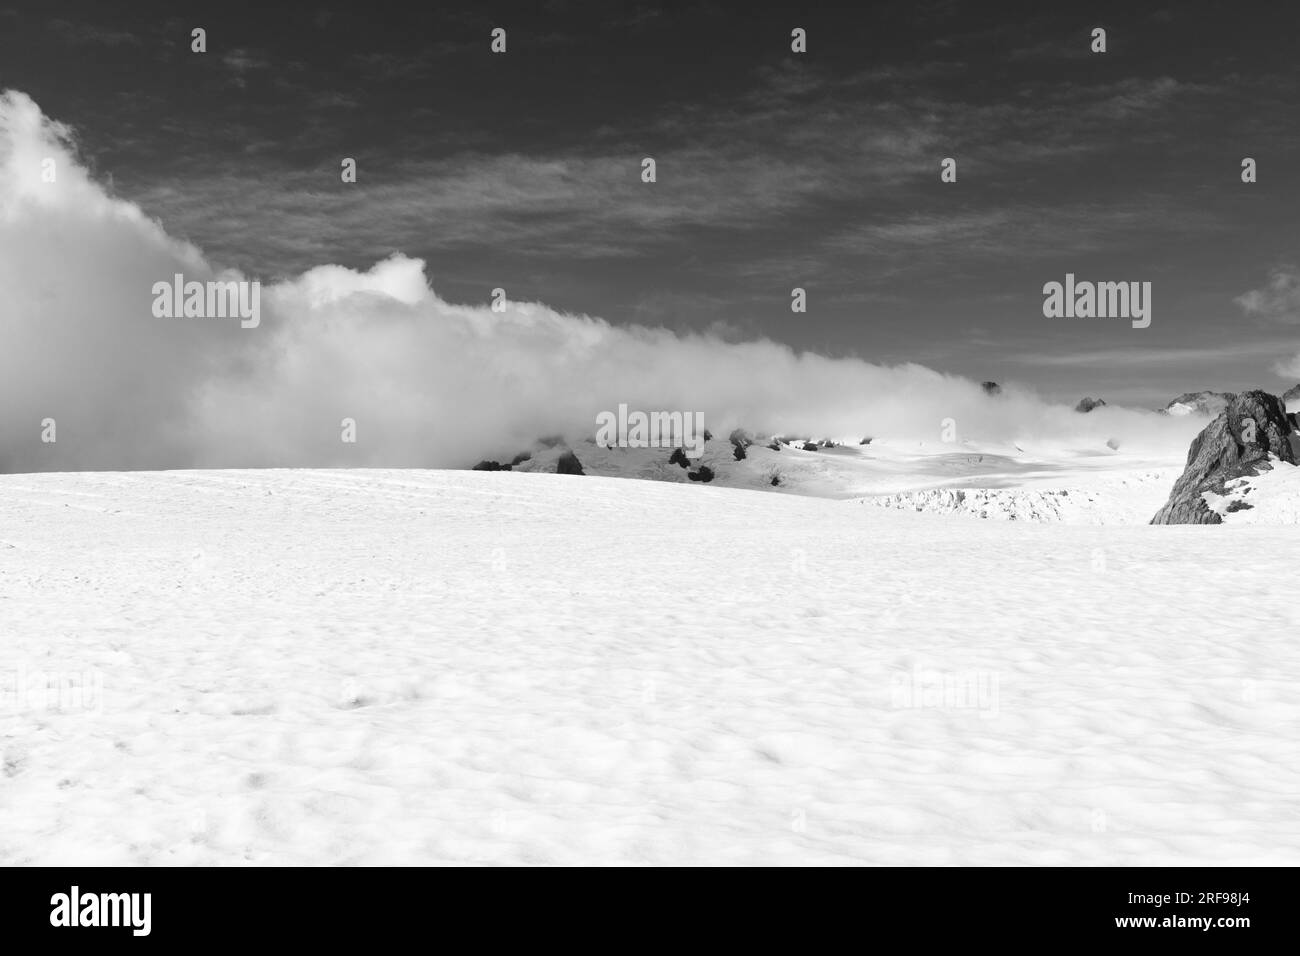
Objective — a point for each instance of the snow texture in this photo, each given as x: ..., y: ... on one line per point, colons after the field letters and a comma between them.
x: 402, y: 667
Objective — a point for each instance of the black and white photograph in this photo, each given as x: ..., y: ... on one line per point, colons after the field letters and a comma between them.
x: 572, y: 434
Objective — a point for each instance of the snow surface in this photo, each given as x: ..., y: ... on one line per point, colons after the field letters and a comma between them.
x: 1272, y: 497
x: 331, y: 667
x: 980, y: 479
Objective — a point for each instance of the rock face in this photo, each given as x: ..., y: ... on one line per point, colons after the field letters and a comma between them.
x: 568, y: 464
x: 1088, y: 404
x: 1209, y: 403
x: 1238, y: 442
x: 991, y: 388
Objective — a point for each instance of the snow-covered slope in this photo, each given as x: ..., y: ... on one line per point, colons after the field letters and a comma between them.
x: 1038, y: 483
x: 451, y: 667
x: 1270, y: 498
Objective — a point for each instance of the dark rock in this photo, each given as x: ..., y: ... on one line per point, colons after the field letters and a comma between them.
x: 704, y: 474
x: 738, y: 452
x: 708, y: 435
x: 865, y: 441
x: 991, y: 388
x: 776, y: 480
x: 1235, y: 506
x: 678, y: 457
x: 568, y: 464
x: 810, y: 446
x: 1088, y: 404
x: 486, y: 465
x: 1226, y: 449
x: 774, y: 445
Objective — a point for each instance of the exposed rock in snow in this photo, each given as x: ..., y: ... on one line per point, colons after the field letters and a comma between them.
x: 1088, y: 404
x: 991, y: 388
x: 1252, y: 429
x: 568, y: 464
x: 1270, y: 498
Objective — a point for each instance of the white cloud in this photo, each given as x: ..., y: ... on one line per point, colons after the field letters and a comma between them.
x: 1279, y: 299
x: 1289, y: 368
x: 429, y: 382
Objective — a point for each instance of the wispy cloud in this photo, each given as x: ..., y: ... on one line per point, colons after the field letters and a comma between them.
x: 86, y: 34
x: 1150, y: 357
x: 1279, y: 299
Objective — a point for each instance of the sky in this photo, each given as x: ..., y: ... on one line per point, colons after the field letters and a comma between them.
x: 819, y: 170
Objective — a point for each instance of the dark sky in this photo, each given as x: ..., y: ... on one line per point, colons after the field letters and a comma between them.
x: 775, y: 169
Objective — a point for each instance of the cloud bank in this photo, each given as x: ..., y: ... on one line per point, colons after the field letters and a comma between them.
x: 429, y: 383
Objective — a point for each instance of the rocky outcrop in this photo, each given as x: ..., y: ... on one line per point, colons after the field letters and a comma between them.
x: 568, y: 464
x: 1238, y: 442
x: 991, y: 388
x: 490, y: 466
x: 1088, y: 404
x: 740, y: 440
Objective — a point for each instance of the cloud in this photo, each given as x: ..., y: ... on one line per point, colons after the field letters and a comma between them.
x: 1288, y: 368
x: 428, y: 382
x: 1135, y: 357
x: 85, y: 34
x: 1279, y: 299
